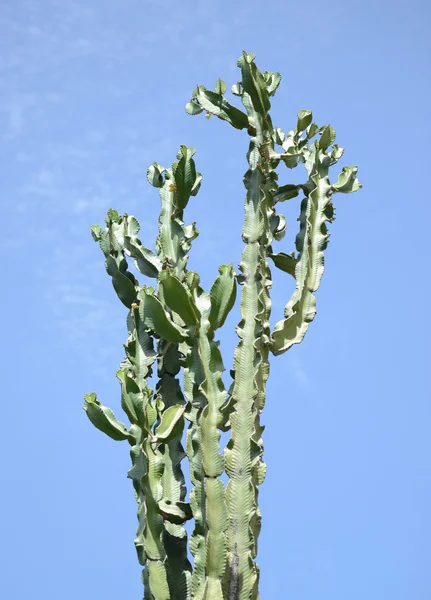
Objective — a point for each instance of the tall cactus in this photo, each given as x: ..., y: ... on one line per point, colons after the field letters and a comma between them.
x: 174, y: 322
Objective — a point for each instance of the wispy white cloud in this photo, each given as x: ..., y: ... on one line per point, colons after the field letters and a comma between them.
x: 75, y: 147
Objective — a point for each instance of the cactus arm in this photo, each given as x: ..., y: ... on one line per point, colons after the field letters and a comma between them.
x: 147, y: 461
x: 156, y: 559
x: 243, y: 453
x: 145, y: 260
x: 193, y: 378
x: 211, y: 418
x: 222, y: 295
x: 157, y: 426
x: 316, y: 211
x: 156, y: 318
x: 251, y: 364
x: 172, y: 504
x: 147, y: 465
x: 176, y: 185
x: 187, y: 179
x: 146, y: 474
x: 156, y: 456
x: 139, y: 349
x: 111, y: 240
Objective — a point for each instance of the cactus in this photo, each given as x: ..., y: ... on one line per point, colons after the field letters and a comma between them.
x: 173, y: 323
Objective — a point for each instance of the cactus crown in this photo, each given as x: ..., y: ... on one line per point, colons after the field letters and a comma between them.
x: 172, y: 324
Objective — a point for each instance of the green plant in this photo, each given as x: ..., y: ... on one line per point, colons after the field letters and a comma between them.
x: 173, y: 326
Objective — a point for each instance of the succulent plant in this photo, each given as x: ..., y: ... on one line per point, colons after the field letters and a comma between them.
x: 172, y: 324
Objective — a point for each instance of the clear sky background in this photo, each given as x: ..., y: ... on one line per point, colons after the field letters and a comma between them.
x: 91, y: 93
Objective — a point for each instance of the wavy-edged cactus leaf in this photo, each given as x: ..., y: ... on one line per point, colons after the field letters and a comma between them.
x: 254, y: 84
x: 278, y: 136
x: 221, y: 108
x: 236, y: 89
x: 220, y: 87
x: 336, y: 154
x: 287, y: 192
x: 95, y: 232
x: 193, y: 109
x: 222, y: 295
x: 312, y: 130
x: 145, y: 260
x: 305, y: 118
x: 133, y: 400
x: 347, y: 181
x: 112, y: 216
x: 155, y: 175
x: 285, y: 262
x: 292, y: 158
x: 185, y: 176
x: 171, y: 424
x: 111, y: 241
x: 104, y: 419
x: 196, y: 188
x: 278, y: 226
x: 155, y: 318
x: 272, y: 81
x: 178, y: 298
x: 327, y: 137
x: 124, y: 287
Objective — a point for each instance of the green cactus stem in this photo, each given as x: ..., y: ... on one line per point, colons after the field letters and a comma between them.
x: 244, y: 464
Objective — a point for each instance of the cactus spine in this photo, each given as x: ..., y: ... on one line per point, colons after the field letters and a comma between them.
x: 173, y: 324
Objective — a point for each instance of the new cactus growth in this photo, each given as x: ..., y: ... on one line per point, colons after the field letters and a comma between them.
x: 172, y: 324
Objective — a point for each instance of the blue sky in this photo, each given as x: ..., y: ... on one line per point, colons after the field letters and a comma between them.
x: 93, y: 92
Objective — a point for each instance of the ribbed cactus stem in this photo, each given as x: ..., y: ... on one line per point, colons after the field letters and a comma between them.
x: 213, y: 462
x: 193, y: 379
x: 175, y: 538
x: 148, y: 464
x: 244, y: 463
x: 153, y: 534
x: 172, y: 244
